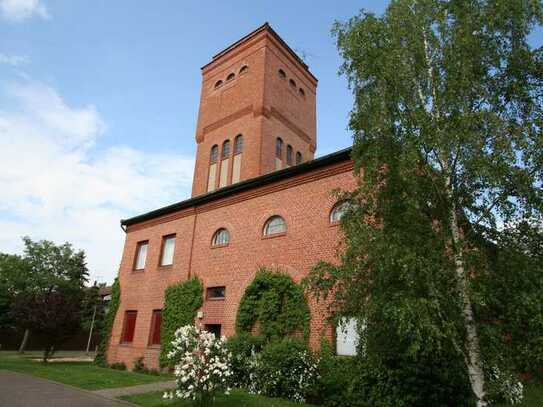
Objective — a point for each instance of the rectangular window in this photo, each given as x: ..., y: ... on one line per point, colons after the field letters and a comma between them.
x: 215, y: 329
x: 141, y: 255
x: 216, y: 292
x: 156, y: 322
x: 168, y: 247
x: 129, y: 326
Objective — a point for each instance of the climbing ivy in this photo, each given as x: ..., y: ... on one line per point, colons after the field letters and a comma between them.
x: 277, y: 303
x: 181, y: 302
x: 113, y: 306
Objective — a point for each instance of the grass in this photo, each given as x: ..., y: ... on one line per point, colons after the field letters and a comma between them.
x: 237, y: 398
x: 84, y: 375
x: 533, y: 397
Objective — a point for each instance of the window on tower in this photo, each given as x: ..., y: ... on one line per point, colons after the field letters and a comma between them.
x: 299, y: 158
x: 218, y: 84
x: 243, y: 69
x: 289, y: 155
x: 282, y: 74
x: 214, y: 153
x: 238, y: 144
x: 279, y: 148
x: 292, y: 83
x: 225, y: 149
x: 230, y: 77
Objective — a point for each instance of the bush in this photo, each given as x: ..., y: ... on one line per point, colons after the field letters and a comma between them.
x: 101, y: 354
x: 181, y: 302
x: 286, y: 369
x: 243, y: 348
x: 118, y: 366
x: 202, y: 365
x: 139, y: 366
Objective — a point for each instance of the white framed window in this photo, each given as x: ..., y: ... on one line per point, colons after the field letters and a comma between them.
x: 141, y: 255
x: 221, y: 238
x: 168, y: 248
x: 275, y: 225
x: 339, y: 210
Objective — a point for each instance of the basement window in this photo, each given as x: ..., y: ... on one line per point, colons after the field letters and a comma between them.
x: 216, y: 293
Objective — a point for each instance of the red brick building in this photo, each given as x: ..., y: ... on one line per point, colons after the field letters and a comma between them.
x: 258, y: 198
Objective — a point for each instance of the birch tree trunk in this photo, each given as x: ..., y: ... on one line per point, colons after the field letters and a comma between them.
x: 25, y: 340
x: 473, y: 360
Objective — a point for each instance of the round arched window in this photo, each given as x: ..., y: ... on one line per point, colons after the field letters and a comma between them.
x: 289, y: 155
x: 221, y: 238
x: 279, y: 147
x: 339, y: 210
x: 225, y: 149
x: 243, y: 69
x: 274, y: 226
x: 218, y: 83
x: 282, y: 74
x: 214, y: 153
x: 230, y: 77
x: 299, y: 158
x: 238, y: 144
x: 301, y: 92
x: 292, y: 83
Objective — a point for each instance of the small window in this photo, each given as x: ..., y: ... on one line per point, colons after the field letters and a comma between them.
x: 156, y: 323
x: 289, y: 155
x: 214, y: 153
x: 168, y: 248
x: 129, y: 326
x: 215, y: 329
x: 301, y: 92
x: 279, y: 147
x: 282, y: 74
x: 225, y: 149
x: 339, y: 210
x: 141, y: 255
x: 275, y: 225
x: 221, y: 238
x: 238, y: 144
x: 218, y: 84
x: 292, y: 83
x: 215, y: 293
x: 230, y: 77
x: 299, y: 158
x: 243, y: 69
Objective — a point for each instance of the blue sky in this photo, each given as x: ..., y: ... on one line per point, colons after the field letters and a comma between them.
x: 99, y: 100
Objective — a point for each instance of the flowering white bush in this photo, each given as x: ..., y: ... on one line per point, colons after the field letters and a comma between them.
x: 505, y: 386
x: 201, y: 365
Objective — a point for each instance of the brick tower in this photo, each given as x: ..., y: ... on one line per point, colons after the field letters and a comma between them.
x: 257, y: 112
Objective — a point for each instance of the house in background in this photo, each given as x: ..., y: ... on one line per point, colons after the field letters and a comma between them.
x: 259, y: 198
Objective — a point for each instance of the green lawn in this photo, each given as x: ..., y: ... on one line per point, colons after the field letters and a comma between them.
x: 533, y: 397
x: 84, y: 375
x: 238, y: 398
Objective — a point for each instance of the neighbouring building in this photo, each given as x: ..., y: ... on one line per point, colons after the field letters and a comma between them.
x: 259, y: 198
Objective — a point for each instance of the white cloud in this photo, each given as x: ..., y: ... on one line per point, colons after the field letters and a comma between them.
x: 57, y: 184
x: 13, y: 60
x: 18, y: 10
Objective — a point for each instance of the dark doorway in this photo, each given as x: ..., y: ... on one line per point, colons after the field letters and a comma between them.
x: 215, y: 329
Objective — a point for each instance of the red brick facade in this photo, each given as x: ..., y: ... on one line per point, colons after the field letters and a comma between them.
x: 302, y: 195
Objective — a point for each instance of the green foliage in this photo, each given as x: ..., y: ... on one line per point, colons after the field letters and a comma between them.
x: 277, y: 304
x: 243, y: 347
x: 118, y: 366
x: 139, y: 366
x: 92, y: 302
x: 105, y: 335
x: 14, y: 272
x: 286, y: 369
x: 181, y: 302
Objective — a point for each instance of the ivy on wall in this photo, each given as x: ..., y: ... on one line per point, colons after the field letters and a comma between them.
x: 277, y: 303
x: 113, y: 306
x: 181, y: 302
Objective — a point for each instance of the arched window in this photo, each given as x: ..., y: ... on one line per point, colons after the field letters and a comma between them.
x: 289, y: 155
x: 243, y: 69
x: 279, y: 148
x: 238, y: 144
x: 230, y: 77
x: 221, y: 238
x: 214, y: 153
x: 339, y: 210
x: 292, y: 83
x: 282, y: 74
x: 299, y: 158
x: 225, y: 149
x: 218, y: 83
x: 301, y: 92
x: 274, y: 226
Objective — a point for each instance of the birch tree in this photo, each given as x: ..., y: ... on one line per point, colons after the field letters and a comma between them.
x: 447, y: 134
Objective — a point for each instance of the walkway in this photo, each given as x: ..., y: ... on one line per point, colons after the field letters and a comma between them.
x: 18, y: 390
x: 139, y: 389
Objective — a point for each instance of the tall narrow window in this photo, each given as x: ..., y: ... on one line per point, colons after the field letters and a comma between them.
x: 129, y: 326
x: 156, y: 323
x: 225, y: 149
x: 214, y: 153
x: 279, y: 148
x: 141, y: 255
x: 238, y: 144
x: 299, y: 158
x: 289, y: 155
x: 292, y: 83
x: 282, y: 74
x: 168, y: 248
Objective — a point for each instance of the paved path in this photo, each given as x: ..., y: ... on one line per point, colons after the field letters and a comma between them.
x: 139, y: 389
x: 18, y: 390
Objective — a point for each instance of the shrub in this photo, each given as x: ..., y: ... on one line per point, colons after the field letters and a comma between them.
x: 139, y: 366
x: 118, y: 366
x: 101, y: 353
x: 277, y: 303
x: 285, y: 369
x: 202, y: 365
x: 243, y: 348
x: 181, y: 302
